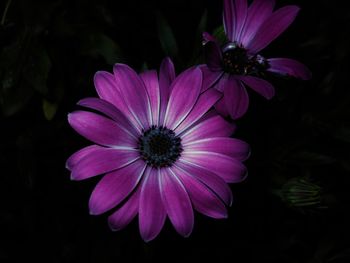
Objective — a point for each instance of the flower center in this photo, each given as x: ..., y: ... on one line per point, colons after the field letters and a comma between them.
x: 159, y: 146
x: 237, y: 61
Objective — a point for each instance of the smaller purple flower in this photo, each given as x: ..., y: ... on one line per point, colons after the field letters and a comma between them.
x: 160, y: 150
x: 236, y: 64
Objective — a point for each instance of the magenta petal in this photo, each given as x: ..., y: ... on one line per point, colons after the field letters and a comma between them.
x: 77, y: 156
x: 220, y: 107
x: 111, y: 111
x: 231, y: 147
x: 213, y: 57
x: 229, y: 169
x: 151, y: 211
x: 275, y: 25
x: 103, y: 160
x: 205, y: 101
x: 236, y: 98
x: 108, y: 90
x: 289, y: 67
x: 258, y: 12
x: 125, y: 214
x: 188, y: 84
x: 176, y: 202
x: 115, y: 187
x: 134, y: 92
x: 263, y: 87
x: 166, y: 77
x: 100, y: 130
x: 202, y: 198
x: 150, y: 78
x: 215, y: 126
x: 207, y: 38
x: 209, y: 77
x: 235, y: 12
x: 210, y: 179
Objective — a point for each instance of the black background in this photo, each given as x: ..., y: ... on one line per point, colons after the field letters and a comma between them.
x: 49, y: 53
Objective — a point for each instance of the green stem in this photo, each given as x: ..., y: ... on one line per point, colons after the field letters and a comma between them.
x: 5, y: 12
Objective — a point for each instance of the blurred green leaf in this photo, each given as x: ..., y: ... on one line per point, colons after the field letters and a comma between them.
x: 98, y: 44
x: 49, y: 109
x: 36, y: 70
x: 197, y: 47
x: 219, y: 34
x: 166, y: 37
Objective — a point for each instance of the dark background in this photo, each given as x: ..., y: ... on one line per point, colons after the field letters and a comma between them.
x: 293, y: 206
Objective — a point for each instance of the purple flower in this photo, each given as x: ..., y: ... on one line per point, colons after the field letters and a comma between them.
x: 238, y: 63
x: 162, y: 152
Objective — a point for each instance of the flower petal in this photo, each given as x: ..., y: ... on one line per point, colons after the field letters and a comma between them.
x: 110, y: 111
x: 150, y: 78
x: 151, y: 212
x: 289, y: 67
x: 108, y: 90
x: 166, y: 77
x: 212, y: 55
x: 229, y: 169
x: 263, y: 87
x: 176, y: 202
x: 231, y: 147
x: 236, y: 98
x: 115, y: 187
x: 77, y: 156
x: 235, y: 12
x: 220, y: 107
x: 215, y: 126
x: 258, y: 12
x: 103, y: 160
x: 100, y: 130
x: 126, y: 213
x: 188, y: 84
x: 133, y: 90
x: 210, y: 179
x: 275, y: 25
x: 205, y: 101
x: 209, y: 77
x: 202, y: 198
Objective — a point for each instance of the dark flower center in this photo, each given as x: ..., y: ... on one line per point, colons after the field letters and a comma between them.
x: 159, y: 146
x: 236, y: 61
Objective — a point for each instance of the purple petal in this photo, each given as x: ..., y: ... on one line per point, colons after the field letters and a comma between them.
x: 176, y: 202
x: 207, y: 38
x: 151, y: 211
x: 115, y: 187
x: 187, y: 85
x: 275, y: 25
x: 235, y: 12
x: 220, y: 107
x: 166, y: 77
x: 111, y: 111
x: 125, y: 214
x: 103, y: 160
x: 213, y: 57
x: 214, y: 182
x: 259, y: 85
x: 100, y: 130
x: 236, y: 98
x: 290, y: 67
x: 202, y: 198
x: 205, y: 101
x: 229, y: 169
x: 150, y: 78
x: 215, y: 126
x: 108, y: 90
x: 231, y: 147
x: 258, y: 12
x: 77, y: 156
x: 209, y: 77
x: 133, y: 90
